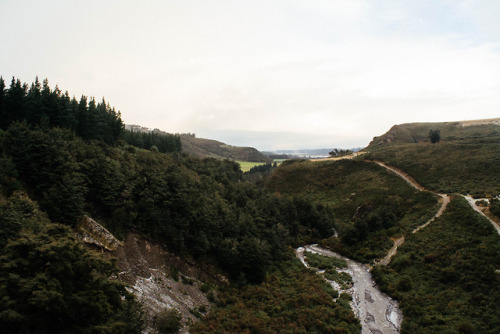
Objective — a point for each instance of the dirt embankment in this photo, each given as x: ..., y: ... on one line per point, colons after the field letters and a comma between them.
x: 161, y: 280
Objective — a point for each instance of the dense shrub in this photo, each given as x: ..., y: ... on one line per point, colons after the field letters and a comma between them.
x: 168, y: 321
x: 444, y: 275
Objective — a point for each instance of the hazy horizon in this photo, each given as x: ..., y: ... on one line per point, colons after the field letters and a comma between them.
x: 272, y: 75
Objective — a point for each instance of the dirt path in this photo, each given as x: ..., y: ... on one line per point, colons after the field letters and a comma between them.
x: 387, y: 259
x: 350, y: 156
x: 401, y: 174
x: 472, y: 203
x: 445, y: 199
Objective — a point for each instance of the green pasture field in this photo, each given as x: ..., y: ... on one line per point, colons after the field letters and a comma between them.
x: 246, y: 165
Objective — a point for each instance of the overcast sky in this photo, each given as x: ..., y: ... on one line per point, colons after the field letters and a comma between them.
x: 280, y: 74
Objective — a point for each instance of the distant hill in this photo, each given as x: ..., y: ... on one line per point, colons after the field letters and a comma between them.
x: 471, y: 131
x: 204, y: 148
x: 465, y: 160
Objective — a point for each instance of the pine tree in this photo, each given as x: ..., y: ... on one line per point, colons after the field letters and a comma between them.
x: 2, y: 98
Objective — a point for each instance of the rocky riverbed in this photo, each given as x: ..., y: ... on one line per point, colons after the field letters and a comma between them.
x: 378, y: 313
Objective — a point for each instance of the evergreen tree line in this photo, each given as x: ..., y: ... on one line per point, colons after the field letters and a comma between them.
x: 40, y: 105
x: 203, y: 208
x: 160, y: 141
x: 265, y: 168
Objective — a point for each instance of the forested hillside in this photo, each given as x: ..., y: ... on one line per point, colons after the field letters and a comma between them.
x: 61, y: 155
x: 62, y: 160
x: 38, y: 104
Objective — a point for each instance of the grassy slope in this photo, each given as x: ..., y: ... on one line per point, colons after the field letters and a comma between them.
x: 447, y: 167
x: 466, y: 160
x: 346, y: 185
x: 207, y: 148
x: 450, y: 131
x: 444, y: 275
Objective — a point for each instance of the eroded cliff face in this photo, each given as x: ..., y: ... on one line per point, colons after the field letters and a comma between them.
x: 159, y: 279
x: 93, y: 233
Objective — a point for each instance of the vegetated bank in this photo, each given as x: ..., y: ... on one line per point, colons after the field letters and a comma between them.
x: 371, y: 205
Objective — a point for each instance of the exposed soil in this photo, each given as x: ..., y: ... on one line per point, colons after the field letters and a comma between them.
x: 387, y: 259
x: 162, y: 280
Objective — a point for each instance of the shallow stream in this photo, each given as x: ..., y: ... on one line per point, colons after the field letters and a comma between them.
x: 378, y: 313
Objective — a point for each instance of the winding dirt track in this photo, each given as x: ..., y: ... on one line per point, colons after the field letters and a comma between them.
x: 445, y: 199
x: 472, y: 203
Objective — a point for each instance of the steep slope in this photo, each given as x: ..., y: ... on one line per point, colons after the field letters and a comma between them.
x: 162, y: 280
x: 208, y: 148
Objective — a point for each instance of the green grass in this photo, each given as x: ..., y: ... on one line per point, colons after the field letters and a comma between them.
x: 451, y: 167
x: 324, y: 262
x: 466, y: 160
x: 331, y: 266
x: 444, y: 275
x: 450, y: 132
x: 370, y: 204
x: 247, y: 165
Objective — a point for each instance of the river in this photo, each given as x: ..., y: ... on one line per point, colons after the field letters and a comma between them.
x: 378, y: 313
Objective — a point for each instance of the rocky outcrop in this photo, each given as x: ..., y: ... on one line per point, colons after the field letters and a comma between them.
x: 93, y: 233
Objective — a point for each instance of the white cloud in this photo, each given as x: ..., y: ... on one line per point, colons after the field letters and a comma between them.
x: 321, y: 72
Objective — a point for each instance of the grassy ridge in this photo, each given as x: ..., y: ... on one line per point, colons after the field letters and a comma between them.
x: 444, y: 275
x: 208, y: 148
x: 447, y: 167
x: 467, y: 131
x: 370, y: 204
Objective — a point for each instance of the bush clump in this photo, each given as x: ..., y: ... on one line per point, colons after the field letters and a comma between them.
x: 168, y: 321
